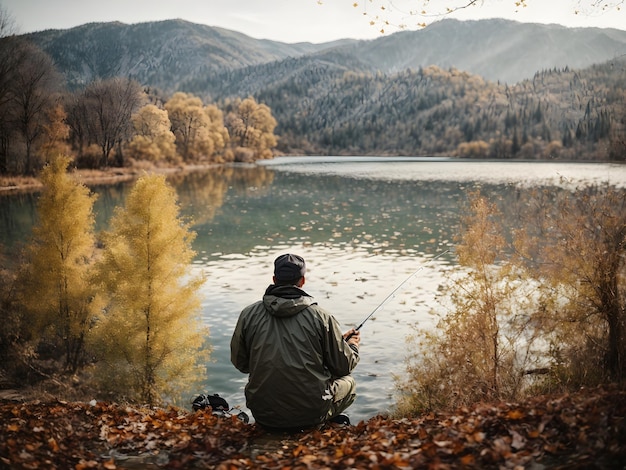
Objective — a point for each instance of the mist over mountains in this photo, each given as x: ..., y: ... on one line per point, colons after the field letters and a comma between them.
x: 498, y: 82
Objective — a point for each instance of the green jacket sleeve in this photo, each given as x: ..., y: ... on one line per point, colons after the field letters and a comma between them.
x: 239, y: 355
x: 340, y: 358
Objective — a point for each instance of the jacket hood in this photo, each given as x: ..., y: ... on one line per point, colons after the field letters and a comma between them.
x: 286, y: 301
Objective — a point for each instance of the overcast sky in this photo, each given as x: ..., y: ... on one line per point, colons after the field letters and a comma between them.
x: 303, y: 20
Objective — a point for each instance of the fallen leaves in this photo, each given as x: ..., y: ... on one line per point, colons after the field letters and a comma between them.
x: 587, y: 428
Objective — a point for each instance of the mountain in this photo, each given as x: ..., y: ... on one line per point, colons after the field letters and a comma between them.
x: 166, y: 54
x: 159, y: 54
x: 498, y: 50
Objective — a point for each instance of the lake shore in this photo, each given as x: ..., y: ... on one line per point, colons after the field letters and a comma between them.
x: 110, y: 175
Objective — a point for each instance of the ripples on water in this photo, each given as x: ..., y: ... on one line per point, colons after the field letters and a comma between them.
x: 348, y: 284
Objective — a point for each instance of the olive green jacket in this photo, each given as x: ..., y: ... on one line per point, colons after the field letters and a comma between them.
x: 292, y: 349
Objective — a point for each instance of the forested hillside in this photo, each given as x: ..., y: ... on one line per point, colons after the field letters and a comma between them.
x: 534, y: 305
x: 325, y: 107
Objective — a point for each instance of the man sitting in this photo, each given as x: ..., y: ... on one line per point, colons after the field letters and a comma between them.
x: 298, y: 360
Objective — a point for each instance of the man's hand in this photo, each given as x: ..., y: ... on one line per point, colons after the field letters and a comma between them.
x: 352, y: 336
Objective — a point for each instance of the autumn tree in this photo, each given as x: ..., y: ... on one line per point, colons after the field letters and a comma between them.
x: 575, y: 247
x: 251, y: 129
x: 199, y: 129
x: 154, y: 140
x: 149, y: 339
x: 537, y: 302
x: 57, y: 290
x: 55, y: 134
x: 482, y: 347
x: 217, y: 132
x: 474, y: 149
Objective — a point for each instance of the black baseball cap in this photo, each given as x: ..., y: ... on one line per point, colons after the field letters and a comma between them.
x: 289, y: 267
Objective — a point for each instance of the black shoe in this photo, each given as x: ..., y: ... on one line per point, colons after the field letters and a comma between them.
x: 340, y: 419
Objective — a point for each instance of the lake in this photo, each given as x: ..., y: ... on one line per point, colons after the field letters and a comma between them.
x: 364, y: 225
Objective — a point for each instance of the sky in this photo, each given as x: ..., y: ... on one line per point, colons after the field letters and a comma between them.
x: 315, y: 21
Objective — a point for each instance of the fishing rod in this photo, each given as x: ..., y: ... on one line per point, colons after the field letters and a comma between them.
x: 390, y: 296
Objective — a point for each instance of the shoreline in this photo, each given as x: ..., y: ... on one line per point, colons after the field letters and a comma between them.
x: 111, y: 175
x: 19, y: 184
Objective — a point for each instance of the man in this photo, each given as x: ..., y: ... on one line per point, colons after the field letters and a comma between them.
x: 298, y: 360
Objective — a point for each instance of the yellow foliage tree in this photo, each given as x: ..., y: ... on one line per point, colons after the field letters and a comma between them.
x: 150, y: 339
x: 154, y: 140
x: 56, y: 133
x: 217, y: 132
x: 57, y: 288
x: 251, y: 127
x: 474, y: 149
x: 538, y: 303
x: 484, y: 346
x: 575, y: 246
x: 199, y: 130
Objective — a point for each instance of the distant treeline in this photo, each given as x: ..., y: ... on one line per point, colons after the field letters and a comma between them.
x: 325, y: 108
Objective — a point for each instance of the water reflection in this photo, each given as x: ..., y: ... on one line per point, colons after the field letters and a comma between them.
x: 17, y: 216
x: 363, y: 228
x: 377, y: 216
x: 201, y: 194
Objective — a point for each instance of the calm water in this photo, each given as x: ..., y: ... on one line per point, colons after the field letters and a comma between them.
x: 363, y: 225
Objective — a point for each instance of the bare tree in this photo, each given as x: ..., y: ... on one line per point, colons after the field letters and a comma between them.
x: 29, y: 83
x: 115, y: 101
x: 101, y: 115
x: 33, y: 93
x: 8, y: 63
x: 78, y: 120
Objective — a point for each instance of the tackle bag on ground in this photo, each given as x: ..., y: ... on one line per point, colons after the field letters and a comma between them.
x: 218, y: 405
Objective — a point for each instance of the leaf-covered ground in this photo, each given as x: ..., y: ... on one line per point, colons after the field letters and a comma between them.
x: 582, y: 430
